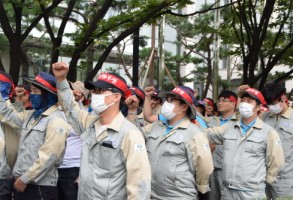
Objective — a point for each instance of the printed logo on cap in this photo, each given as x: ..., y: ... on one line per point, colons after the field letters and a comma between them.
x: 109, y: 78
x: 183, y: 94
x: 116, y: 82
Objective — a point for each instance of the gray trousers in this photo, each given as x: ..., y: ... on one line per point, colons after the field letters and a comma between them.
x: 216, y: 183
x: 282, y: 188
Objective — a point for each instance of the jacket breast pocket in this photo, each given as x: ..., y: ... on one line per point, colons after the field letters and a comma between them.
x: 255, y: 146
x: 286, y: 134
x: 106, y: 157
x: 37, y: 136
x: 174, y: 147
x: 230, y: 141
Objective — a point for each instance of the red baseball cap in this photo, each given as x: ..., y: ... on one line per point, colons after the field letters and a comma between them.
x: 255, y: 94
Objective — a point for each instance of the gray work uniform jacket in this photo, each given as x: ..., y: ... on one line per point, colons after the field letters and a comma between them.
x: 214, y: 121
x: 248, y: 160
x: 284, y: 126
x: 42, y: 143
x: 5, y: 171
x: 10, y: 138
x: 181, y: 161
x: 114, y: 162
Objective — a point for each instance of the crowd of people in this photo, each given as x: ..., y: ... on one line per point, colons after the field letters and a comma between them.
x: 104, y: 139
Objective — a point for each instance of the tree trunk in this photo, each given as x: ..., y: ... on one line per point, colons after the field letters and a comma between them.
x: 208, y: 80
x: 90, y: 58
x: 25, y: 63
x: 15, y: 59
x: 55, y: 53
x: 1, y: 65
x: 72, y: 74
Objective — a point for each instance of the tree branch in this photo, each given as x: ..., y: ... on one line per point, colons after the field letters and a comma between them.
x: 39, y: 17
x: 284, y: 76
x: 122, y: 36
x: 210, y: 8
x: 5, y: 22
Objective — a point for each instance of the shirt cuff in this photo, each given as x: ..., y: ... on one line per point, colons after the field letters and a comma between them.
x: 270, y: 179
x: 25, y: 179
x: 203, y: 188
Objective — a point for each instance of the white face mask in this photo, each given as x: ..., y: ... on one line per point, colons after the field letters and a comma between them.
x: 167, y: 110
x: 276, y: 109
x: 98, y: 102
x: 246, y: 109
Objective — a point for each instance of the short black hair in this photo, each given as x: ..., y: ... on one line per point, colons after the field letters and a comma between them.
x: 227, y: 94
x: 273, y: 91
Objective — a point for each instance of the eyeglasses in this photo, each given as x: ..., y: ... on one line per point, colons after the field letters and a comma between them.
x: 171, y: 98
x: 223, y: 100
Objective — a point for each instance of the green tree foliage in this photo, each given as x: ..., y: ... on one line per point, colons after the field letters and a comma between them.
x: 262, y: 35
x: 100, y: 19
x: 17, y: 19
x: 196, y: 35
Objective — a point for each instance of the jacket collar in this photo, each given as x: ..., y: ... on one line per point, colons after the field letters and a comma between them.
x: 258, y: 123
x: 50, y: 110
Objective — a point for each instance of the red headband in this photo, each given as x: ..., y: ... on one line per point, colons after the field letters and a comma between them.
x: 209, y: 102
x: 7, y: 80
x: 183, y: 94
x: 45, y: 83
x: 116, y: 82
x: 138, y: 92
x: 233, y: 99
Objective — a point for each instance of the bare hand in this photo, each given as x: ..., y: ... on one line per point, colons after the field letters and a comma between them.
x: 60, y: 70
x: 19, y: 91
x: 19, y: 185
x: 242, y: 88
x: 149, y: 91
x: 132, y: 103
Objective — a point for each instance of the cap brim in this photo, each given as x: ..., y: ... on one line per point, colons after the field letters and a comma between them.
x: 32, y: 81
x: 193, y: 111
x: 90, y: 85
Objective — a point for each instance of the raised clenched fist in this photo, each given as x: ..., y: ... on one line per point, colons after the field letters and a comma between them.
x: 60, y: 70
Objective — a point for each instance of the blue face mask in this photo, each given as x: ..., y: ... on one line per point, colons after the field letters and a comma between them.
x: 5, y: 89
x: 40, y: 103
x: 36, y: 100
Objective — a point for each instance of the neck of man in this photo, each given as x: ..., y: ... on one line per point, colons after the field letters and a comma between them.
x: 248, y: 120
x: 227, y: 114
x: 107, y: 116
x: 177, y: 118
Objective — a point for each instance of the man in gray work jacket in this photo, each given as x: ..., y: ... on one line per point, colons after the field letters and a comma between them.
x: 253, y: 153
x: 114, y: 162
x: 42, y: 141
x: 226, y: 106
x: 280, y: 118
x: 179, y: 152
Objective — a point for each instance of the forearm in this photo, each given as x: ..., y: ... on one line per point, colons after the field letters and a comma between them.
x: 78, y: 118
